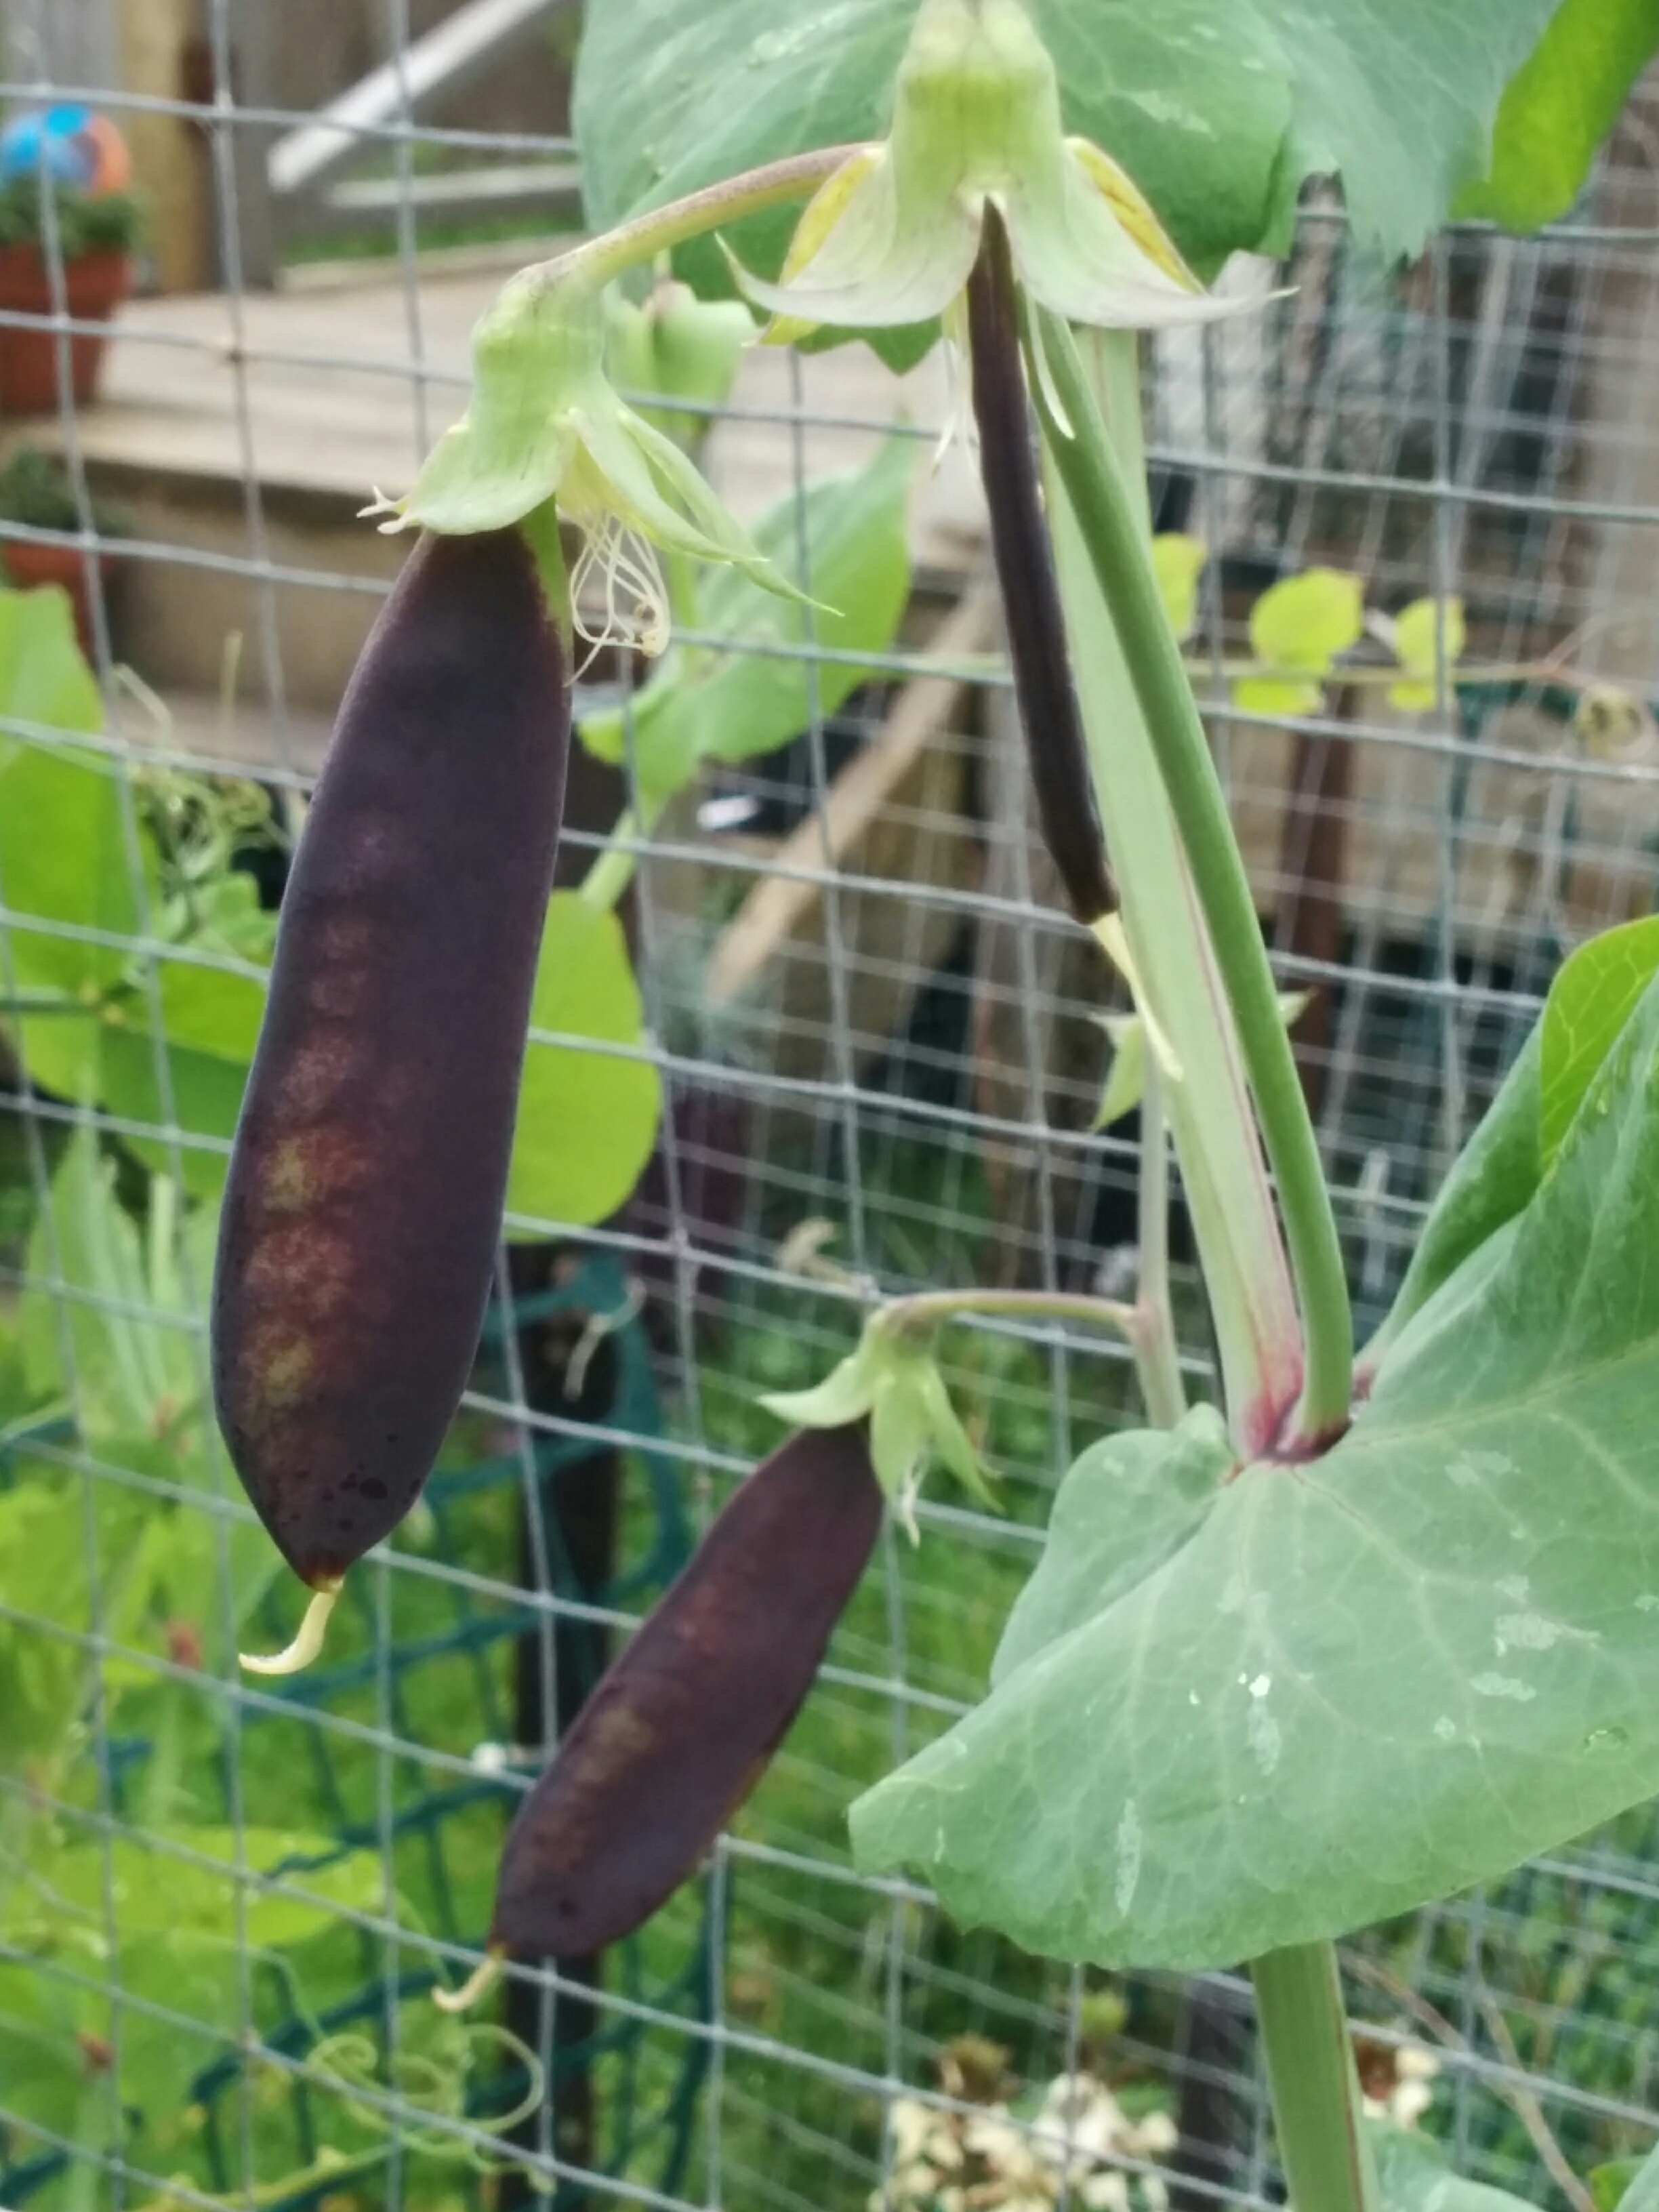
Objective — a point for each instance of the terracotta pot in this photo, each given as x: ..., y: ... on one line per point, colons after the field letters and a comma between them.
x: 29, y: 566
x: 95, y: 286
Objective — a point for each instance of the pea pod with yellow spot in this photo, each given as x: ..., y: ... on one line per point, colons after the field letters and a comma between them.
x: 364, y: 1204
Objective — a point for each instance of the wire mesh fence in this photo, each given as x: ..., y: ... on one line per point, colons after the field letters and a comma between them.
x: 224, y: 1907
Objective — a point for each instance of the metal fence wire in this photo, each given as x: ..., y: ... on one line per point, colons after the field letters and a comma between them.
x: 223, y: 1905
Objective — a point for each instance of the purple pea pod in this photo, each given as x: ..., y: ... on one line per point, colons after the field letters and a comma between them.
x: 363, y: 1204
x: 683, y: 1724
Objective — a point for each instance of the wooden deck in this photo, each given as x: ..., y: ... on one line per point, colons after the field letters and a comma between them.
x: 330, y: 389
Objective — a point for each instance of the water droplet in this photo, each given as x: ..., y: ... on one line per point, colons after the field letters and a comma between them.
x: 1445, y: 1728
x: 1129, y: 1855
x: 1502, y: 1685
x: 1606, y: 1738
x: 1262, y: 1685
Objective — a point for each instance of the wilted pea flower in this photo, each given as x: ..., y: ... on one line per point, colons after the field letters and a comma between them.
x: 890, y: 237
x: 544, y: 424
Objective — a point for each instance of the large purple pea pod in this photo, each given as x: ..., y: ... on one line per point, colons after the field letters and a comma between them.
x: 363, y: 1206
x: 683, y: 1724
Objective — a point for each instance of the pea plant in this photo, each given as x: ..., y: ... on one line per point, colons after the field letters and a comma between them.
x: 1376, y: 1627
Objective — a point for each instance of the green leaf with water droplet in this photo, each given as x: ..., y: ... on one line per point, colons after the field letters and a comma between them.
x: 1363, y: 1682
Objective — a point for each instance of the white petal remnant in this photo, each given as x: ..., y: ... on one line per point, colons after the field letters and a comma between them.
x: 890, y: 237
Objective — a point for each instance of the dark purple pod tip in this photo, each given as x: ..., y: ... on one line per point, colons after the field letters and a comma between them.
x: 1055, y: 747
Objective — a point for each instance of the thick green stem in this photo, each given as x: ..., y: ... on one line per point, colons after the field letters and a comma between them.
x: 1087, y: 465
x: 1175, y: 980
x: 1317, y: 2111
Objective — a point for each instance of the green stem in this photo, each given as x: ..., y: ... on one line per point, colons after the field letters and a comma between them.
x: 612, y: 868
x: 661, y: 228
x: 1317, y: 2111
x: 1224, y: 1179
x: 1157, y: 1354
x: 1095, y: 483
x: 927, y: 1308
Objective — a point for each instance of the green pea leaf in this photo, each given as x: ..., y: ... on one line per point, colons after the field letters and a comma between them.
x: 1490, y: 1182
x: 1364, y: 1682
x: 1128, y: 1504
x: 588, y: 1116
x: 1412, y: 2175
x: 1557, y: 110
x: 707, y: 703
x: 1218, y: 109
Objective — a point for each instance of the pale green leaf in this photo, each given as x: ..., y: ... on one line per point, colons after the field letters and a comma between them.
x: 103, y: 1320
x: 1490, y: 1182
x: 1607, y: 2184
x: 901, y: 1430
x: 587, y: 1117
x: 1412, y: 2175
x: 1590, y: 1000
x: 44, y: 680
x: 952, y: 1442
x: 705, y: 703
x: 1125, y: 1074
x: 65, y: 868
x: 1369, y: 1681
x: 1125, y: 1506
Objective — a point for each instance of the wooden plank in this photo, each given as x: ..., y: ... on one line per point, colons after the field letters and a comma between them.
x: 159, y: 41
x: 896, y: 813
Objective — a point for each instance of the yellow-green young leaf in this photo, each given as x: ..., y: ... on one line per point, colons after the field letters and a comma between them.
x: 1418, y: 633
x: 588, y: 1116
x: 1557, y: 110
x: 1178, y: 562
x: 1126, y: 1077
x: 1302, y: 622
